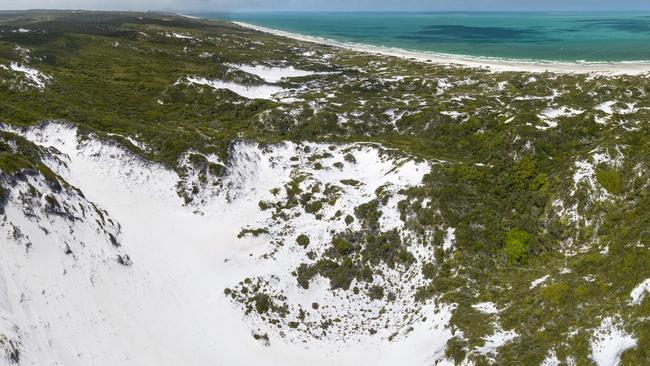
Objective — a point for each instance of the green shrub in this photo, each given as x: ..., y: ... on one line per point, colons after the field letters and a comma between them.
x: 349, y: 219
x: 350, y: 182
x: 438, y: 237
x: 517, y: 245
x: 341, y: 276
x: 539, y: 183
x: 49, y: 176
x: 52, y: 202
x: 313, y: 207
x: 554, y: 294
x: 253, y: 232
x: 341, y: 245
x: 350, y: 158
x: 609, y: 179
x: 3, y: 198
x: 304, y: 274
x: 262, y: 303
x: 456, y: 350
x: 429, y: 270
x: 376, y: 292
x: 303, y: 240
x: 525, y: 169
x: 10, y: 163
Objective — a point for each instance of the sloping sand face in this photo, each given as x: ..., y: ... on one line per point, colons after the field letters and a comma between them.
x: 72, y: 302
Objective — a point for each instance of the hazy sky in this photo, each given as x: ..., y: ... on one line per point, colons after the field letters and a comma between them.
x: 335, y: 5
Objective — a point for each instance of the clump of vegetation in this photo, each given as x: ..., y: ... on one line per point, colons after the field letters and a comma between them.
x: 516, y: 247
x: 252, y: 232
x: 456, y: 350
x: 303, y: 240
x: 264, y: 338
x: 350, y: 158
x: 554, y: 294
x: 262, y: 303
x: 351, y: 182
x: 253, y: 295
x: 429, y: 270
x: 3, y: 199
x: 376, y: 292
x: 609, y: 179
x: 349, y: 219
x: 52, y: 201
x: 342, y: 246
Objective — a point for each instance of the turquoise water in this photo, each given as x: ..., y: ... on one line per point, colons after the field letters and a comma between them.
x: 589, y: 37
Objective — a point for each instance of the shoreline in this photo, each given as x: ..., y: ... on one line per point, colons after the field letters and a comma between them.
x: 494, y: 65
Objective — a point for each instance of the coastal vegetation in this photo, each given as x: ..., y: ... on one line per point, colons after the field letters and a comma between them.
x: 536, y: 197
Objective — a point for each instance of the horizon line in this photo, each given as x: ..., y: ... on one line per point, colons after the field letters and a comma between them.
x: 217, y: 11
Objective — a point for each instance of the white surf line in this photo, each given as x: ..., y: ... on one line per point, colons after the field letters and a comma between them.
x: 496, y: 65
x: 187, y: 16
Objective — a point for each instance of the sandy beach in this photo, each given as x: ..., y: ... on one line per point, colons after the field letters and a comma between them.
x: 496, y: 65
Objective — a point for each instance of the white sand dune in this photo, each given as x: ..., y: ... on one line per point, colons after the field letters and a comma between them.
x: 80, y: 307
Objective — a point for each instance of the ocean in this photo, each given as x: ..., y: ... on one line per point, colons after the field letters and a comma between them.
x: 548, y: 36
